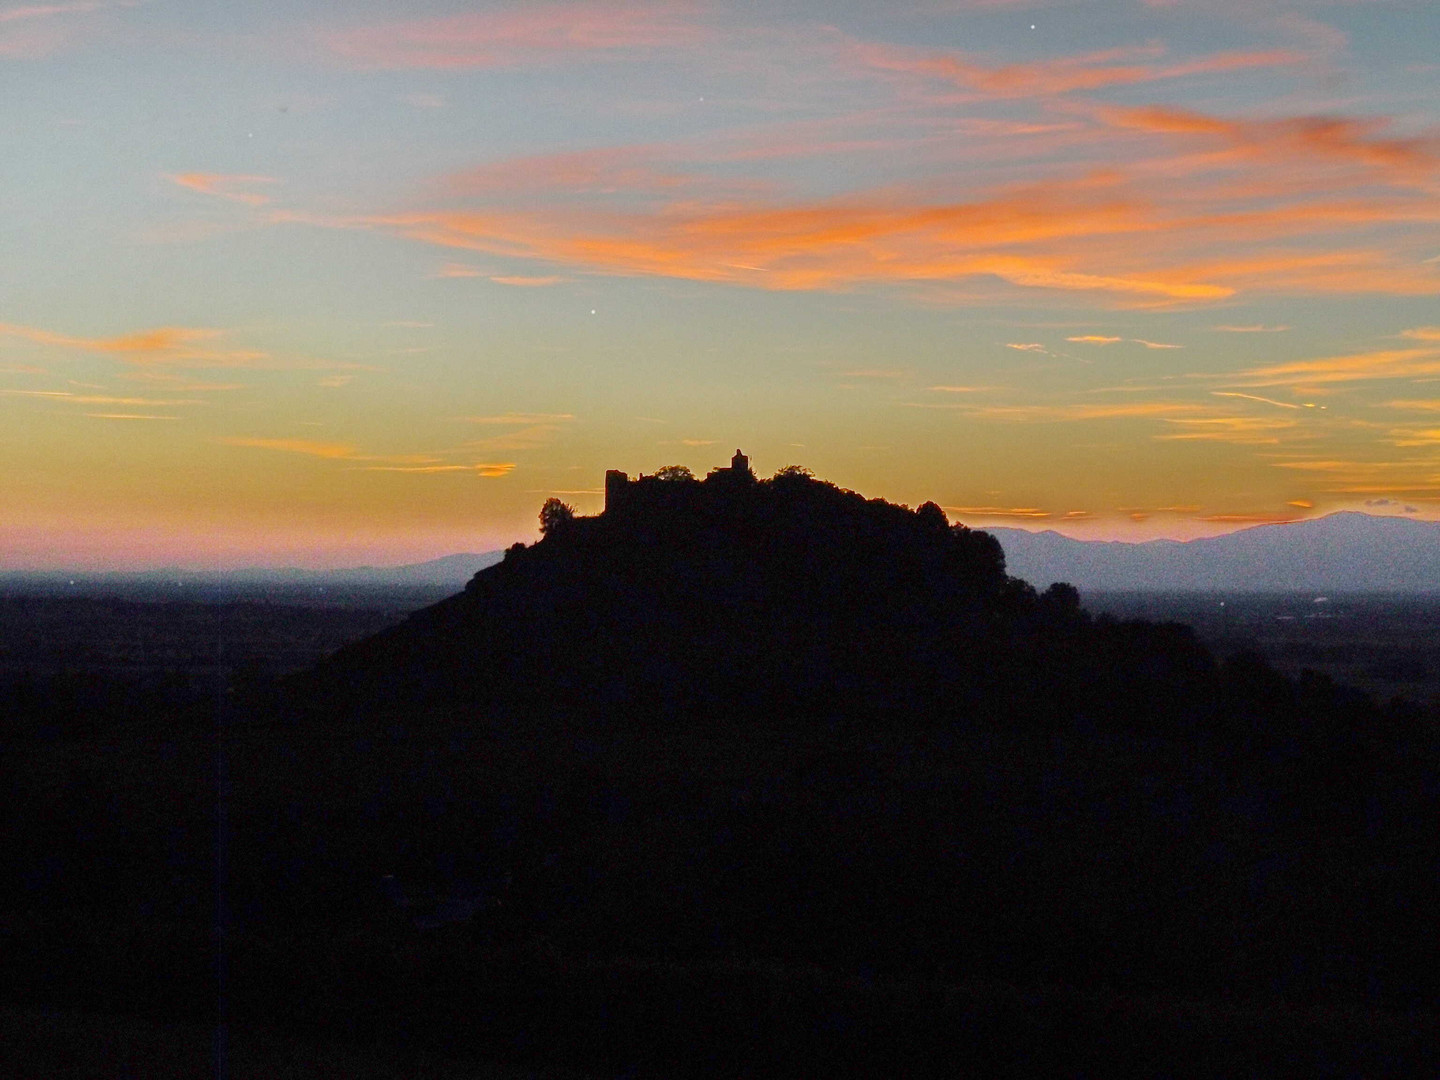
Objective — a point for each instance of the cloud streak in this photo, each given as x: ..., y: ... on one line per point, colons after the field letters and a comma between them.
x: 221, y: 185
x: 533, y: 34
x: 1068, y: 74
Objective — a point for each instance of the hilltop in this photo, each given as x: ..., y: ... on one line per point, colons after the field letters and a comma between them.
x: 735, y: 598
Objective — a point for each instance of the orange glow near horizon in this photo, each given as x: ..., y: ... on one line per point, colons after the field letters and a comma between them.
x: 1169, y: 277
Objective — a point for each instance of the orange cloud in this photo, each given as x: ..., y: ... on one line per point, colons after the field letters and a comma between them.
x: 1095, y: 339
x: 1064, y: 75
x: 826, y: 246
x: 457, y: 270
x: 998, y: 511
x: 127, y: 416
x: 1131, y: 235
x: 522, y: 418
x: 528, y: 282
x: 530, y: 34
x: 179, y: 346
x: 219, y: 184
x: 528, y: 438
x: 1047, y: 413
x: 1256, y: 397
x: 159, y: 340
x: 1379, y: 364
x: 1246, y: 430
x: 1341, y: 139
x: 490, y: 469
x: 298, y: 446
x: 96, y: 399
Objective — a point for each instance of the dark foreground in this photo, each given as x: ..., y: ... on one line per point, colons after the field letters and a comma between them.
x: 714, y: 903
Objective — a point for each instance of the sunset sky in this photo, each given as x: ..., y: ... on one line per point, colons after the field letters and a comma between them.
x: 328, y: 284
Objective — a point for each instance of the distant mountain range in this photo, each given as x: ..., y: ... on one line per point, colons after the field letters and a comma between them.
x: 450, y: 571
x: 1341, y: 552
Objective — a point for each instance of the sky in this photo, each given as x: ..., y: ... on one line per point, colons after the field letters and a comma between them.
x: 319, y: 284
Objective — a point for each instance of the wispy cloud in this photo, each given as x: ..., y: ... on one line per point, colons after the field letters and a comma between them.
x: 525, y: 438
x: 1094, y: 339
x: 1052, y: 413
x: 398, y: 463
x: 1257, y: 397
x: 1067, y: 74
x: 531, y: 34
x: 1245, y: 430
x: 223, y: 185
x: 173, y: 346
x: 162, y: 339
x: 47, y: 11
x: 457, y: 270
x: 490, y: 469
x: 33, y: 31
x: 1155, y: 344
x: 536, y: 282
x: 1353, y: 367
x: 998, y: 511
x: 1256, y: 328
x: 128, y: 416
x: 523, y: 418
x: 298, y: 446
x: 1347, y: 140
x: 96, y: 399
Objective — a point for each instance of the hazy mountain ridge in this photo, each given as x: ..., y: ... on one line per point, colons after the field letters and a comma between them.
x: 1341, y: 552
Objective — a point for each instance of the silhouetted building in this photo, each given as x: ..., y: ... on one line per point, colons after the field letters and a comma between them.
x: 615, y: 484
x: 738, y: 472
x: 622, y: 493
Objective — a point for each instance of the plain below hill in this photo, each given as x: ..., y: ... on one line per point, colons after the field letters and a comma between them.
x: 1345, y: 552
x: 437, y: 576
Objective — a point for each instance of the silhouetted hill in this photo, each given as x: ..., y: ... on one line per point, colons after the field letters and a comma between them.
x: 1342, y: 552
x: 757, y: 778
x: 784, y: 599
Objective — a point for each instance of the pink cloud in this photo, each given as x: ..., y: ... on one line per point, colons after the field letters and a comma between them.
x: 1066, y: 74
x: 520, y: 35
x: 37, y: 30
x: 220, y: 184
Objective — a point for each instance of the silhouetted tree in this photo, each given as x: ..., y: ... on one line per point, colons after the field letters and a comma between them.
x: 1062, y: 598
x: 794, y: 472
x: 674, y: 472
x: 555, y: 515
x: 932, y: 517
